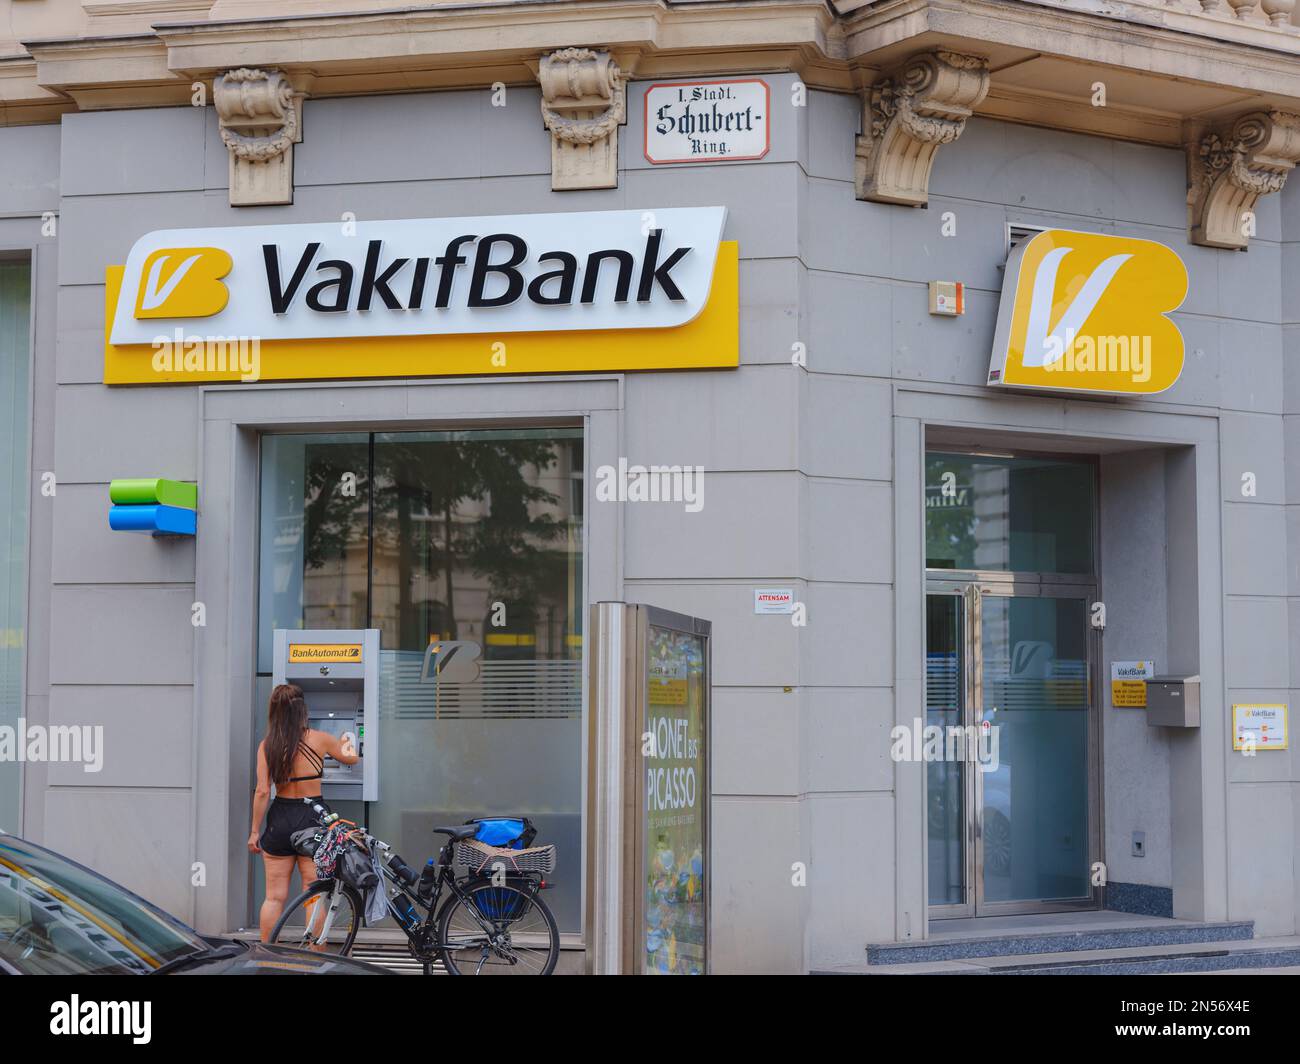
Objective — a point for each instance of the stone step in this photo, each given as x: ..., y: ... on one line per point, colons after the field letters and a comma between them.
x: 941, y: 948
x: 1253, y: 954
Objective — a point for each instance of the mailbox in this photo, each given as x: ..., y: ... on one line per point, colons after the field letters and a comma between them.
x: 1174, y: 701
x: 338, y: 671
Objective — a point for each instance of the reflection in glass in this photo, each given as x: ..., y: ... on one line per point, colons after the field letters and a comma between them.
x: 1008, y: 514
x: 944, y: 694
x: 455, y: 545
x: 675, y: 846
x: 1035, y: 805
x: 15, y: 360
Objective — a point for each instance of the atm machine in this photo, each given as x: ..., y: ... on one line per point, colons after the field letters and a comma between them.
x: 338, y: 671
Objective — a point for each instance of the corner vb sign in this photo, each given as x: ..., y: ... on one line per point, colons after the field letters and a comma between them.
x: 1089, y: 312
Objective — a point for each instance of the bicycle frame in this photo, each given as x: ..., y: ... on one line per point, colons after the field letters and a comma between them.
x: 420, y: 933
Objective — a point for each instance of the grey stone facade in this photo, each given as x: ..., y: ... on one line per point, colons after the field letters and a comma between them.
x: 814, y: 481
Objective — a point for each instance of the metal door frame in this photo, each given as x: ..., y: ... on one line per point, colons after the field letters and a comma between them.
x: 971, y: 586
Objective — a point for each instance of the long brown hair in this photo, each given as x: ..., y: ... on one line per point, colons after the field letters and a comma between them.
x: 286, y: 724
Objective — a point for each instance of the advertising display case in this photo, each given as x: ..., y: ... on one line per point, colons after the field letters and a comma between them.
x: 648, y: 909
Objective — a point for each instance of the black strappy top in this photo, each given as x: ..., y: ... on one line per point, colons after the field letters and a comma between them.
x: 315, y: 759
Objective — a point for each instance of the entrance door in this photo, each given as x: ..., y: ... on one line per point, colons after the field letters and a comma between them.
x: 1010, y: 819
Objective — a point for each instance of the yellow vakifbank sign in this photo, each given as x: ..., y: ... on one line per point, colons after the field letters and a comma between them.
x: 324, y: 653
x: 1088, y: 312
x: 521, y: 294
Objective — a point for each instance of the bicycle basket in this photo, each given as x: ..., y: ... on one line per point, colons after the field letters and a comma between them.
x: 355, y: 869
x: 516, y: 832
x: 480, y: 859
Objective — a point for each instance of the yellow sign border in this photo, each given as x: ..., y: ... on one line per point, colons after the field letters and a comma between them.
x: 1286, y: 724
x: 710, y: 341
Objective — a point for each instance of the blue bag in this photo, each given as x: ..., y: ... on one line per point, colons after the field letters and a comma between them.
x: 509, y: 832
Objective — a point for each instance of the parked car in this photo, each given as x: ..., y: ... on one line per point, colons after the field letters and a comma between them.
x: 58, y: 917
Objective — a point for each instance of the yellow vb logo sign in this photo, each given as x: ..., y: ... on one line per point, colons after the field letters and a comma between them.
x: 1088, y: 312
x: 183, y: 283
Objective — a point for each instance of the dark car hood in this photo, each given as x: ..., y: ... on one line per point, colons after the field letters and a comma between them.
x: 261, y: 959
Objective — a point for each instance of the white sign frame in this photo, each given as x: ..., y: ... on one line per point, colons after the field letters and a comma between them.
x: 665, y: 87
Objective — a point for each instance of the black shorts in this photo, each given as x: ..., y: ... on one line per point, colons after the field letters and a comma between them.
x: 286, y: 816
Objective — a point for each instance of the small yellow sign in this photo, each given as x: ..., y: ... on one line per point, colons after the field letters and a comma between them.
x: 324, y: 653
x: 1259, y: 726
x: 1128, y: 694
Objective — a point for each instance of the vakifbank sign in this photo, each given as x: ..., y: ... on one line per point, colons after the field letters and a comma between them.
x: 1088, y: 312
x: 549, y: 293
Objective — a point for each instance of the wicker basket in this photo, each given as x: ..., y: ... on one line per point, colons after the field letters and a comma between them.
x: 481, y: 859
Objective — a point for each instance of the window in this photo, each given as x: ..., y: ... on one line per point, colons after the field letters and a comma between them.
x: 15, y: 359
x: 473, y: 536
x: 1009, y: 514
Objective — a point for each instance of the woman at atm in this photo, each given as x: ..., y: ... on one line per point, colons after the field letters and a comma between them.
x: 292, y: 756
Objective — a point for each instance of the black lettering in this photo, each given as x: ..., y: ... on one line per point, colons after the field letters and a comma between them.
x: 651, y: 273
x: 567, y: 275
x: 417, y: 283
x: 447, y: 263
x: 592, y: 278
x: 280, y: 299
x: 483, y: 266
x: 373, y: 283
x: 342, y: 284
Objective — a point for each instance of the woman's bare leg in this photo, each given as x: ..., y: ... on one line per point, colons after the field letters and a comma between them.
x: 279, y: 870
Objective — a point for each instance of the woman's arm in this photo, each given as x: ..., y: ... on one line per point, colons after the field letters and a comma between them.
x: 341, y: 748
x: 261, y: 795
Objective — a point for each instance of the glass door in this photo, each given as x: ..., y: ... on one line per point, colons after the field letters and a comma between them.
x: 1009, y: 747
x: 1033, y: 786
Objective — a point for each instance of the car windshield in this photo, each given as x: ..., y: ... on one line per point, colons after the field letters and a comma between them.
x: 57, y: 918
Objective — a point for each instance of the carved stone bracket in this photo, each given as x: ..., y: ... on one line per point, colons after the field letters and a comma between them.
x: 1228, y: 170
x: 584, y: 101
x: 261, y: 120
x: 905, y: 118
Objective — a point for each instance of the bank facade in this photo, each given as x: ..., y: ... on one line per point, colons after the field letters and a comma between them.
x: 895, y: 526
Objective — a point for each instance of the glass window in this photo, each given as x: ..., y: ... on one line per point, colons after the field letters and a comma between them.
x: 470, y: 537
x: 15, y: 359
x: 1009, y: 514
x: 57, y: 918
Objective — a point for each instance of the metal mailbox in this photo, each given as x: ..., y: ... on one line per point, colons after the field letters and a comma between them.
x: 1174, y: 701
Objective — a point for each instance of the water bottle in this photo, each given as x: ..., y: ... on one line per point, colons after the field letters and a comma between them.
x: 428, y: 876
x: 404, y: 912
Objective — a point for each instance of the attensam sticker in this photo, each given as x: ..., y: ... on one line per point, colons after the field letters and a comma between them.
x: 774, y: 600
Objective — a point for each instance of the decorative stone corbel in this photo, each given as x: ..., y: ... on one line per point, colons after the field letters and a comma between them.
x: 906, y: 117
x: 261, y: 120
x: 1228, y: 171
x: 584, y: 101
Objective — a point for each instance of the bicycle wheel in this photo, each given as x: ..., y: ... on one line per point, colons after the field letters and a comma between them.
x: 497, y: 931
x: 321, y: 919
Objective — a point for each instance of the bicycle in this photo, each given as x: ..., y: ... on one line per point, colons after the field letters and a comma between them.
x: 493, y: 920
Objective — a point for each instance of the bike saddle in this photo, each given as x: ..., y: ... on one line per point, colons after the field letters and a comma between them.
x: 461, y: 831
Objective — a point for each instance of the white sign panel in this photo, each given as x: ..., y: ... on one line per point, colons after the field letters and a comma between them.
x: 424, y: 277
x: 707, y: 121
x: 1259, y: 727
x: 774, y: 600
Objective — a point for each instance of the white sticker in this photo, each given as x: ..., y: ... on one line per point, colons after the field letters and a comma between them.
x: 774, y: 600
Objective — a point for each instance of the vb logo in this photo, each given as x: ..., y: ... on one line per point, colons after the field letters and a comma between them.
x: 451, y: 661
x: 1088, y: 312
x: 183, y: 283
